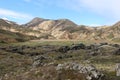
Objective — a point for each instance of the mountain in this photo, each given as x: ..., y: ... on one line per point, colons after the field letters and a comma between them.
x: 113, y: 32
x: 60, y: 29
x: 8, y: 37
x: 6, y: 23
x: 46, y: 24
x: 63, y: 29
x: 34, y: 22
x: 10, y: 32
x: 9, y: 25
x: 53, y: 29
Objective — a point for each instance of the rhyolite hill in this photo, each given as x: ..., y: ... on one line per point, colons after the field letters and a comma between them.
x: 62, y: 29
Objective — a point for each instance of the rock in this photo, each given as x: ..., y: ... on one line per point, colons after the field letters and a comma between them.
x: 59, y: 66
x: 115, y: 45
x: 39, y: 58
x: 63, y: 56
x: 88, y: 47
x: 107, y: 50
x: 118, y: 69
x: 38, y: 61
x: 94, y: 73
x: 91, y: 68
x: 94, y: 46
x: 93, y: 53
x: 24, y: 46
x: 64, y: 49
x: 90, y: 71
x: 103, y: 50
x: 78, y: 46
x: 104, y: 43
x: 117, y: 52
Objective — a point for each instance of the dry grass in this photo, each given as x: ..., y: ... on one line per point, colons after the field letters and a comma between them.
x: 18, y: 67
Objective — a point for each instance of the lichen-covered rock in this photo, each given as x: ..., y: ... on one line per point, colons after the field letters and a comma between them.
x: 90, y: 71
x: 39, y: 61
x: 118, y: 69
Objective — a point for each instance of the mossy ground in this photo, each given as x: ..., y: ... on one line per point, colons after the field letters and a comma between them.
x: 14, y: 63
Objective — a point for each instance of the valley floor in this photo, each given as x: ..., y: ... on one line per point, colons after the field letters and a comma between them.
x: 38, y: 59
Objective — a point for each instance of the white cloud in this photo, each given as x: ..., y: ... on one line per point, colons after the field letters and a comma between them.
x: 5, y: 18
x: 13, y: 14
x: 94, y: 25
x: 108, y: 8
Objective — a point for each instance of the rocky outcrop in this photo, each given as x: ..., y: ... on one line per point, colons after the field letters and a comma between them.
x: 89, y: 71
x: 118, y: 69
x: 39, y: 61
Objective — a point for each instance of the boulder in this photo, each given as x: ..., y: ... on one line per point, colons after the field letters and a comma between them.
x: 78, y: 46
x: 94, y: 46
x: 118, y: 69
x: 107, y: 50
x: 64, y: 49
x: 117, y: 52
x: 39, y: 61
x: 89, y: 71
x: 104, y: 43
x: 88, y: 47
x: 115, y: 45
x: 93, y: 53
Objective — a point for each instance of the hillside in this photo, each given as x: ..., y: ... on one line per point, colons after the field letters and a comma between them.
x: 56, y: 59
x: 58, y: 29
x: 63, y: 29
x: 8, y: 37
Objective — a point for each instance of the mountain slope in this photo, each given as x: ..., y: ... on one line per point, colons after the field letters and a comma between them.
x: 34, y: 22
x: 7, y: 37
x: 11, y: 32
x: 63, y: 29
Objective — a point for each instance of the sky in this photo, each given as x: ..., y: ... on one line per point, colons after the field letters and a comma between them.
x: 82, y: 12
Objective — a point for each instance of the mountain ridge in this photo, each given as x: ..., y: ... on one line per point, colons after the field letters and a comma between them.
x: 63, y: 29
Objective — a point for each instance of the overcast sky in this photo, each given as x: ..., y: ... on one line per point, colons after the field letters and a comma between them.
x: 87, y: 12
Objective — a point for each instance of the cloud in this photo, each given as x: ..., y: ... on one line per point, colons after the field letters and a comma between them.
x: 108, y: 8
x: 68, y: 4
x: 27, y: 0
x: 95, y: 25
x: 13, y: 14
x: 5, y: 18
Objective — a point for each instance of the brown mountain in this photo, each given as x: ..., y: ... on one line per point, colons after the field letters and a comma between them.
x: 10, y: 32
x: 63, y: 29
x: 60, y: 29
x: 34, y: 22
